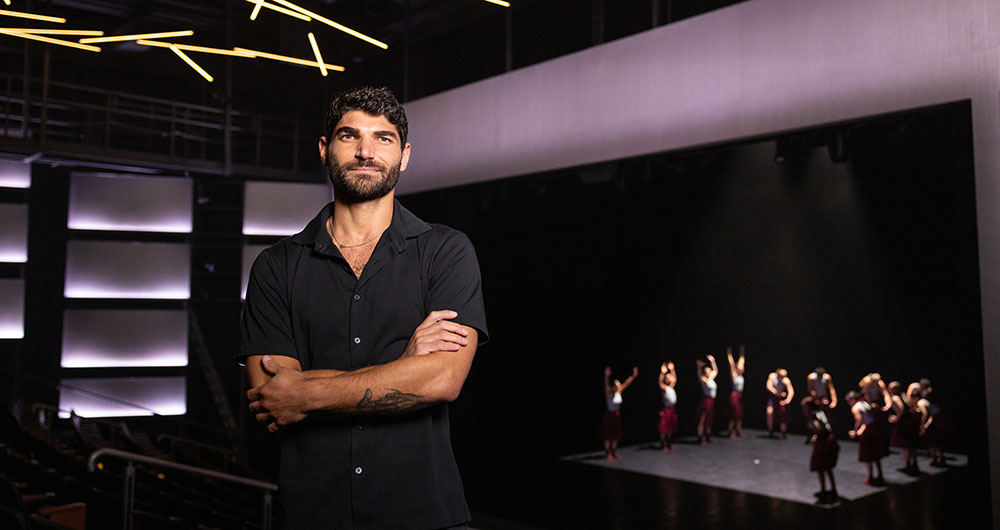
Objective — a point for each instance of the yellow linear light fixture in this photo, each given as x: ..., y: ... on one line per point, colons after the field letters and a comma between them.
x: 281, y: 10
x: 193, y: 48
x: 499, y: 3
x: 31, y: 36
x: 191, y: 63
x: 32, y: 16
x: 333, y: 24
x: 292, y: 60
x: 117, y: 38
x: 256, y: 9
x: 319, y: 58
x: 6, y: 2
x: 71, y: 32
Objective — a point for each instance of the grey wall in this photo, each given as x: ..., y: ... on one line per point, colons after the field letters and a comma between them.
x: 752, y: 69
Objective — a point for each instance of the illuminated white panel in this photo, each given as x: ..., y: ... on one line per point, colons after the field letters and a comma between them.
x: 250, y: 253
x: 281, y: 208
x: 13, y: 233
x: 12, y: 309
x: 123, y: 396
x: 104, y: 269
x: 113, y: 338
x: 15, y: 174
x: 127, y: 202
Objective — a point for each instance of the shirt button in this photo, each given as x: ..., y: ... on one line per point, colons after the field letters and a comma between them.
x: 357, y: 297
x: 357, y: 340
x: 357, y: 470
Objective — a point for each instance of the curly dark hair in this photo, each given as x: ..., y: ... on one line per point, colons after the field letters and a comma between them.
x: 373, y: 101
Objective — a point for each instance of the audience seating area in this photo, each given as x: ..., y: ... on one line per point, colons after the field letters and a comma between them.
x: 45, y: 482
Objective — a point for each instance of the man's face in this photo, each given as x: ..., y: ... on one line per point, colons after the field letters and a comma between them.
x: 364, y: 157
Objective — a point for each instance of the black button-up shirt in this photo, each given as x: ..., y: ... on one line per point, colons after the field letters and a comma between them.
x: 304, y: 301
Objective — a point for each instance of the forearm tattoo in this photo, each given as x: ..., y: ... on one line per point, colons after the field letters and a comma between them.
x: 393, y: 402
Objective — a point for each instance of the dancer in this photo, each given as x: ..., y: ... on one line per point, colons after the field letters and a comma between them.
x: 779, y: 386
x: 907, y: 417
x: 867, y: 429
x: 825, y: 451
x: 874, y: 391
x: 821, y: 392
x: 933, y: 429
x: 668, y: 416
x: 709, y: 389
x: 610, y: 429
x: 736, y: 368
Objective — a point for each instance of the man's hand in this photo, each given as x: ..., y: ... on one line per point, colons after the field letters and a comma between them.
x: 281, y: 400
x: 437, y: 333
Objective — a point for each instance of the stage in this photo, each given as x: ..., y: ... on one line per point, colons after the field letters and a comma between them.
x: 761, y: 465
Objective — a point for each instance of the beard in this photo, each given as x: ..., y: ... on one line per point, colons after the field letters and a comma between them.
x: 354, y: 190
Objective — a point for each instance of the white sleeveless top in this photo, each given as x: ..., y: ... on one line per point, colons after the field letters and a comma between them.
x: 615, y: 402
x: 819, y: 385
x: 738, y: 383
x: 710, y: 389
x: 669, y: 397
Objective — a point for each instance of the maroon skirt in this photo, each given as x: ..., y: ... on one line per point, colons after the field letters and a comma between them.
x: 825, y: 452
x: 668, y: 421
x: 907, y: 432
x: 872, y: 446
x: 936, y: 435
x: 610, y: 427
x: 780, y: 409
x: 706, y: 407
x: 736, y: 406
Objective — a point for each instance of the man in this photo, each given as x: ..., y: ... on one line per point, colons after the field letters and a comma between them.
x: 356, y: 333
x: 780, y: 394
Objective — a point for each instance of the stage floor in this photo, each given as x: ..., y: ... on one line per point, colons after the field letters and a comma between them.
x: 760, y: 465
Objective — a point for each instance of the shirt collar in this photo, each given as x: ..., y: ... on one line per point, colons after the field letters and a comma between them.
x: 404, y: 225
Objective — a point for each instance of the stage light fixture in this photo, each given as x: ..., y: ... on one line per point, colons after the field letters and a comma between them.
x: 191, y: 63
x: 31, y: 36
x: 499, y: 3
x: 193, y: 48
x: 117, y: 38
x: 319, y: 57
x: 287, y: 59
x: 6, y: 2
x: 32, y: 16
x: 333, y: 24
x: 71, y: 32
x: 256, y: 9
x: 283, y: 11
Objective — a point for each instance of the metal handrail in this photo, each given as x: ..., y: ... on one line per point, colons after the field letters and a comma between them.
x: 128, y: 495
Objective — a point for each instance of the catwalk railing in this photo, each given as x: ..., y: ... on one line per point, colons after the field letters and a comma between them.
x: 66, y: 118
x: 128, y: 486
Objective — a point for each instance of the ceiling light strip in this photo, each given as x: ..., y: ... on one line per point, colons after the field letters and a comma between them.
x: 333, y: 24
x: 282, y: 10
x: 72, y: 32
x: 256, y: 9
x: 292, y: 60
x: 191, y: 63
x: 319, y: 58
x: 499, y: 3
x: 32, y: 16
x: 192, y: 48
x: 31, y: 36
x: 117, y: 38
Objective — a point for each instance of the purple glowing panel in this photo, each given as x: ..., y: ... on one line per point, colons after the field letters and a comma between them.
x: 124, y: 338
x: 12, y: 309
x: 281, y: 208
x: 103, y: 269
x: 14, y: 235
x: 132, y: 203
x: 250, y: 253
x: 123, y: 396
x: 15, y: 174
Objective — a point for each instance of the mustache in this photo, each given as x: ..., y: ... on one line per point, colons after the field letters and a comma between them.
x: 358, y: 164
